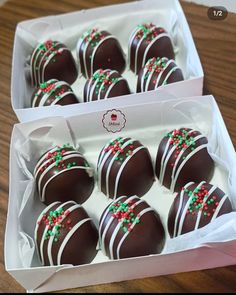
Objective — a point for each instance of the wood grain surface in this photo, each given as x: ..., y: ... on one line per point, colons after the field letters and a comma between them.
x: 215, y: 41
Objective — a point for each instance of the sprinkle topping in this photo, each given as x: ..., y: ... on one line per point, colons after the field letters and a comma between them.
x: 181, y: 139
x: 60, y: 93
x: 57, y: 158
x: 103, y: 77
x: 115, y: 147
x: 51, y: 87
x: 93, y: 36
x: 148, y: 32
x: 53, y: 223
x: 124, y: 213
x: 48, y: 48
x: 198, y: 204
x: 155, y: 65
x: 47, y: 87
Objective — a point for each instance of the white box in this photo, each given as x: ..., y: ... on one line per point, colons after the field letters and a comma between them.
x: 209, y: 247
x: 67, y: 28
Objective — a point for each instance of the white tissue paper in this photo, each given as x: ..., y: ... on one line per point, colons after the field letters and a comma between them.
x: 119, y: 20
x: 87, y: 134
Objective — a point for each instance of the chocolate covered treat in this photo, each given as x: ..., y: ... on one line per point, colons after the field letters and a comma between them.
x: 195, y: 206
x: 158, y: 72
x: 105, y: 84
x: 124, y: 168
x: 52, y: 60
x: 129, y: 227
x: 148, y: 41
x: 53, y: 92
x: 65, y: 234
x: 182, y: 157
x: 98, y: 49
x: 63, y: 174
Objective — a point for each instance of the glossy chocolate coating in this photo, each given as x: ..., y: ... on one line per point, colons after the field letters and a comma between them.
x: 209, y: 203
x: 52, y: 60
x: 63, y: 174
x: 126, y: 172
x: 143, y: 234
x: 105, y: 84
x: 73, y: 238
x: 158, y: 72
x: 99, y: 50
x: 185, y: 161
x: 148, y: 41
x: 53, y: 92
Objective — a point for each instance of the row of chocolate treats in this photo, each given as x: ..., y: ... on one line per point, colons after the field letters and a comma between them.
x: 128, y: 227
x: 102, y: 62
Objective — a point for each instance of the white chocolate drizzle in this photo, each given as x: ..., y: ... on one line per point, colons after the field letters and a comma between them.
x: 97, y: 86
x: 49, y: 247
x: 45, y: 164
x: 183, y: 215
x: 103, y: 159
x: 94, y: 50
x: 143, y: 58
x: 167, y: 154
x: 103, y: 232
x: 47, y: 209
x: 45, y: 95
x: 180, y: 219
x: 40, y: 59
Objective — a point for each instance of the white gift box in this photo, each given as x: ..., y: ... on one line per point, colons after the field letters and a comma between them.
x: 120, y: 20
x: 211, y: 246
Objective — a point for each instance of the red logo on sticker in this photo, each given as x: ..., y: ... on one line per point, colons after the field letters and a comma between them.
x: 113, y: 117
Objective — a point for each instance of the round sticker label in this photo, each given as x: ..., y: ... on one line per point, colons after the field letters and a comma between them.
x: 113, y: 120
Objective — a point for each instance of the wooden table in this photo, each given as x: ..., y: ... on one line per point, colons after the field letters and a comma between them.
x: 215, y: 41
